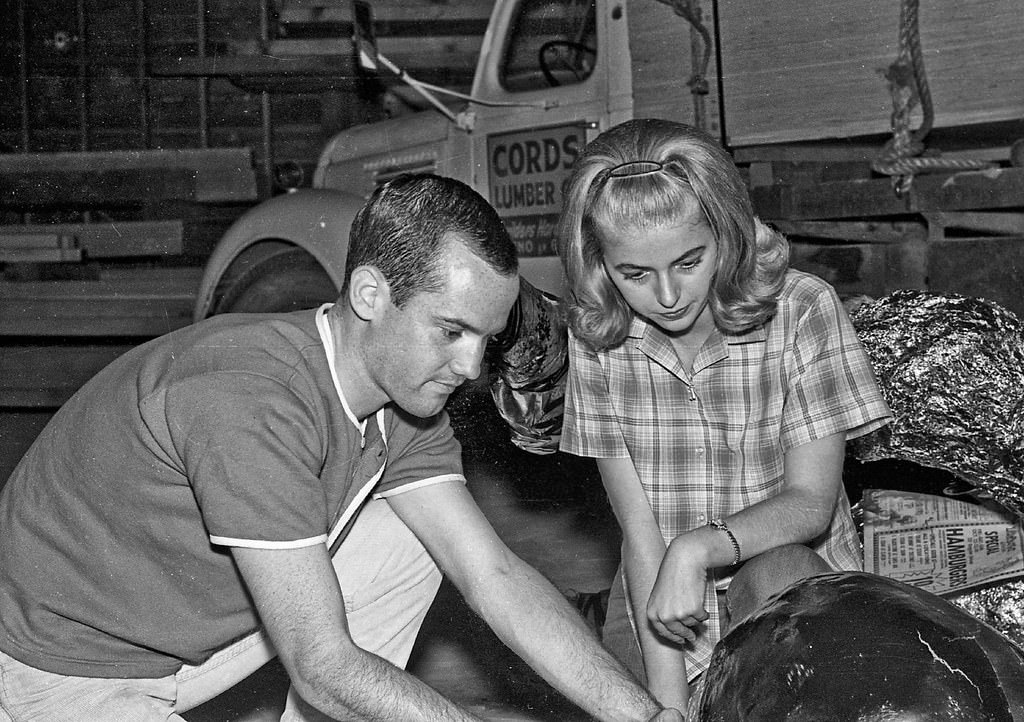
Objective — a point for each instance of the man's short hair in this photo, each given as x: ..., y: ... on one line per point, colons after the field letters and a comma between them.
x: 404, y: 225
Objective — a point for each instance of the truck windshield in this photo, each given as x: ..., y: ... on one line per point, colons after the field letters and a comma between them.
x: 551, y: 43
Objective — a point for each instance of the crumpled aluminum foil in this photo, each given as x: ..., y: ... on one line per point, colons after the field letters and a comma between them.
x: 530, y: 360
x: 952, y: 370
x: 1000, y: 607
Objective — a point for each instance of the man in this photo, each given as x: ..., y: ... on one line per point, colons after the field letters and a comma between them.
x: 283, y: 483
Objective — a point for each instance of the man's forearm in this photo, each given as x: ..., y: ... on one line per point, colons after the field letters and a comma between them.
x: 299, y: 600
x: 364, y: 686
x: 537, y: 622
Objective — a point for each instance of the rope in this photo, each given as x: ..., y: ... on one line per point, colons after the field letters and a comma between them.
x: 689, y: 10
x: 901, y: 157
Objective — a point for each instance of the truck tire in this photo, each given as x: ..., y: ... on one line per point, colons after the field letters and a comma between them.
x: 288, y: 281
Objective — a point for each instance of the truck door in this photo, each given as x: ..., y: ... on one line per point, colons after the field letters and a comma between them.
x: 541, y: 64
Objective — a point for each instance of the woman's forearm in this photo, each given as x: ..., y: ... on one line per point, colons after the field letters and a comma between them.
x: 664, y: 661
x: 800, y: 512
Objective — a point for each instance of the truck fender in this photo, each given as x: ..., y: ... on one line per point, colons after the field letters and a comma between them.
x: 316, y: 221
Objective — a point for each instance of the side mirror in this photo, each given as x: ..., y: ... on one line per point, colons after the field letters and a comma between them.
x: 363, y: 38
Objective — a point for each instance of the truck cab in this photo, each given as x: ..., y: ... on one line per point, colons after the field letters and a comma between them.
x: 541, y: 88
x: 551, y: 75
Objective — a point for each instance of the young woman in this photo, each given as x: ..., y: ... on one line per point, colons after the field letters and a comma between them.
x: 715, y: 387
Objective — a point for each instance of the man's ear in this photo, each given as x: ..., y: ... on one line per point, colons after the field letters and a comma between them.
x: 368, y: 292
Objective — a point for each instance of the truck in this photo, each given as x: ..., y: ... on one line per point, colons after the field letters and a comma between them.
x: 811, y: 100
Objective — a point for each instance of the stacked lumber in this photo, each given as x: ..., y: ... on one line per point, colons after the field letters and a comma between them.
x: 797, y: 71
x: 54, y: 335
x: 311, y: 47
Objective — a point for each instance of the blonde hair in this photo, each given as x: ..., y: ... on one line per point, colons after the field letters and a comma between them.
x: 680, y: 165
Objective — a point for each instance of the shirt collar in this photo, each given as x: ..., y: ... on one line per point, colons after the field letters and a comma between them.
x: 327, y: 340
x: 652, y: 341
x: 640, y: 328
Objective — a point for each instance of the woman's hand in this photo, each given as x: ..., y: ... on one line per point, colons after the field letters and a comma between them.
x: 676, y: 606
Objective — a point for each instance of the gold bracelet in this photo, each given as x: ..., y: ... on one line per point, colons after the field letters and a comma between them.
x: 722, y: 526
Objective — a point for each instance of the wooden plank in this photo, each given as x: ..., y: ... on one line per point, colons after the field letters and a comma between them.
x: 990, y: 268
x: 974, y: 190
x: 248, y: 65
x: 330, y: 55
x: 399, y: 27
x: 436, y: 49
x: 45, y: 376
x: 1004, y: 224
x: 852, y: 268
x: 18, y: 429
x: 333, y: 71
x: 218, y: 174
x: 20, y: 237
x: 824, y: 152
x: 85, y: 188
x: 114, y: 317
x: 113, y: 239
x: 795, y: 71
x: 198, y: 159
x: 336, y: 11
x: 38, y: 247
x: 854, y: 231
x: 122, y: 303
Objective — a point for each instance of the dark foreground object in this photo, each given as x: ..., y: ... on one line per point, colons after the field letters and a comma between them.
x: 855, y: 646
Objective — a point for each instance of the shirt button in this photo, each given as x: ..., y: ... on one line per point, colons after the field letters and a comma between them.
x: 700, y: 452
x: 701, y: 518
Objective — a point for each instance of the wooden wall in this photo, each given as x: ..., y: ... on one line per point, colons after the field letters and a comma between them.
x: 273, y: 76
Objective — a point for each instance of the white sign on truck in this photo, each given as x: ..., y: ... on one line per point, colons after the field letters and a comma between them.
x: 526, y: 170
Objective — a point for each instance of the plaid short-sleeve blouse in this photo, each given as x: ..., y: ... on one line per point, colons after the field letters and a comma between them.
x: 710, y: 444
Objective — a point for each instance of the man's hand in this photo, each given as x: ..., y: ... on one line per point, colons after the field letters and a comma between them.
x: 668, y: 715
x: 522, y: 607
x: 676, y: 606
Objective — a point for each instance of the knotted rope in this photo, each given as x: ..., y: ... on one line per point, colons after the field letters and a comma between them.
x: 690, y: 11
x: 901, y: 157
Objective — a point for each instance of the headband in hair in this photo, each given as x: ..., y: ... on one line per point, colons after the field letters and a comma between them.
x: 635, y: 168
